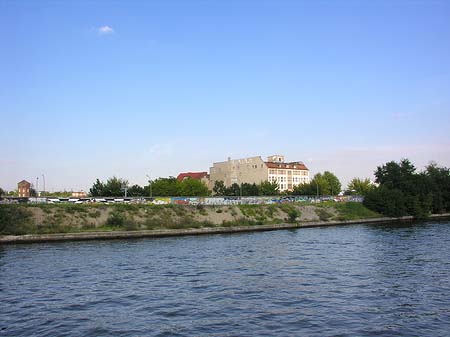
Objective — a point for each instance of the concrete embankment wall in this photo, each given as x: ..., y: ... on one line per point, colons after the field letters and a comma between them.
x: 31, y: 238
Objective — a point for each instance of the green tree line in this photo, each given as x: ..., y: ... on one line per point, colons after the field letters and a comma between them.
x: 403, y: 191
x: 161, y: 187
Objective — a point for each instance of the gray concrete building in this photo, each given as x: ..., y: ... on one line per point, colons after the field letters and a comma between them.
x: 255, y: 170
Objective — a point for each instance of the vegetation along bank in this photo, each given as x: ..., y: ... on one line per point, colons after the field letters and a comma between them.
x: 72, y: 218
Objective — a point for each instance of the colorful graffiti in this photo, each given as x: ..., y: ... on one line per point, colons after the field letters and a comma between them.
x: 211, y: 201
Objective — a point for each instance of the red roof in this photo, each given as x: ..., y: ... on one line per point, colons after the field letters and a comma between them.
x: 193, y: 175
x: 291, y: 166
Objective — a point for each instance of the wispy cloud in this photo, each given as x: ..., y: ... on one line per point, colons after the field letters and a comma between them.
x: 104, y: 30
x: 161, y: 150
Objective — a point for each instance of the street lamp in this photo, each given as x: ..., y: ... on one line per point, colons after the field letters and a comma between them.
x: 150, y: 185
x: 37, y: 187
x: 43, y: 178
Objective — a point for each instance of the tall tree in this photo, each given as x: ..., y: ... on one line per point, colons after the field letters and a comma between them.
x: 114, y: 187
x: 234, y: 190
x: 165, y: 187
x: 136, y: 191
x: 192, y: 188
x: 219, y: 188
x: 359, y: 186
x: 98, y: 189
x: 249, y: 189
x: 268, y: 188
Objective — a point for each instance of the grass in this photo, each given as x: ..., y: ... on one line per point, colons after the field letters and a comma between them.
x: 354, y: 211
x: 323, y: 214
x: 292, y: 212
x: 63, y: 218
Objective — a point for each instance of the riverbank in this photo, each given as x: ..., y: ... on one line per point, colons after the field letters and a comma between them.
x: 39, y: 223
x: 158, y: 233
x: 70, y: 218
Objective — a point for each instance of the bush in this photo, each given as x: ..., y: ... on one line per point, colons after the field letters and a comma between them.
x: 15, y: 220
x: 118, y: 221
x: 389, y: 202
x: 323, y: 214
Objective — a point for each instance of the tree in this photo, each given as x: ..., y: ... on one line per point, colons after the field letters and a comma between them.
x: 165, y: 187
x: 403, y: 191
x: 136, y: 191
x: 322, y: 184
x: 359, y: 186
x: 98, y: 189
x: 249, y: 189
x: 395, y: 175
x: 439, y: 184
x: 387, y: 201
x: 305, y: 189
x: 332, y: 185
x: 219, y: 188
x: 234, y: 190
x: 268, y: 188
x: 192, y: 188
x: 2, y: 192
x: 112, y: 188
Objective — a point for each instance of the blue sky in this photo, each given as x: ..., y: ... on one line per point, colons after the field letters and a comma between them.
x: 98, y: 88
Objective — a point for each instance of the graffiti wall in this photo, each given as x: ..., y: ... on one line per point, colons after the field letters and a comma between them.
x: 211, y: 201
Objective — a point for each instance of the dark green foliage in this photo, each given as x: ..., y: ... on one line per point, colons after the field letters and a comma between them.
x: 439, y: 186
x: 114, y: 187
x: 219, y: 188
x: 403, y: 191
x: 389, y: 202
x: 15, y: 220
x: 234, y: 190
x: 2, y: 192
x: 245, y: 189
x: 136, y: 191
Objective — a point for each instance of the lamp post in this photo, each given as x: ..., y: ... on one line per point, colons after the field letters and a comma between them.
x: 317, y: 185
x: 43, y: 179
x: 150, y: 185
x: 37, y: 187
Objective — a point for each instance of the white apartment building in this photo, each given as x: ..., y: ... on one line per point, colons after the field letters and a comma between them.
x: 255, y: 170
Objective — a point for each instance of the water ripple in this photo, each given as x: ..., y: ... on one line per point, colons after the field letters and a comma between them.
x: 343, y: 281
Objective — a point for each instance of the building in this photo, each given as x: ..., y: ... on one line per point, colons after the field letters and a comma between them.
x: 80, y: 194
x: 202, y: 176
x: 24, y: 189
x: 255, y: 170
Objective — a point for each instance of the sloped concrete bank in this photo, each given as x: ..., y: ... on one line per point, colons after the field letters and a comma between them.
x: 33, y: 238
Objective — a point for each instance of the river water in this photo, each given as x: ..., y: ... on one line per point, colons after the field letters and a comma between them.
x: 361, y: 280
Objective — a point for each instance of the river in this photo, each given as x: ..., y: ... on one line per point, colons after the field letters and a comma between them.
x: 360, y: 280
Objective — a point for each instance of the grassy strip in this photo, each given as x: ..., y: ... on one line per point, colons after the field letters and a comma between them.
x: 65, y: 218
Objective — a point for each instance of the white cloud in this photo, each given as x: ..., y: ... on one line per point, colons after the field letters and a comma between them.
x: 105, y: 30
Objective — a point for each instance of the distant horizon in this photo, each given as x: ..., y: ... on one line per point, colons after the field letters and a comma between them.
x: 344, y: 183
x: 98, y: 89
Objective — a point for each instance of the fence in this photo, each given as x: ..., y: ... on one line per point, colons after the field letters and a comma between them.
x: 213, y: 201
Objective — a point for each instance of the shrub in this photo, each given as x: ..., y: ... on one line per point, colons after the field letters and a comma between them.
x: 15, y: 220
x: 323, y: 214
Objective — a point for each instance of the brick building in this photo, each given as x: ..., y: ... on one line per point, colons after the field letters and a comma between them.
x: 24, y: 189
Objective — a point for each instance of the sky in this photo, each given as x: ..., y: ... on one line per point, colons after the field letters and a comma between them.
x: 95, y: 89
